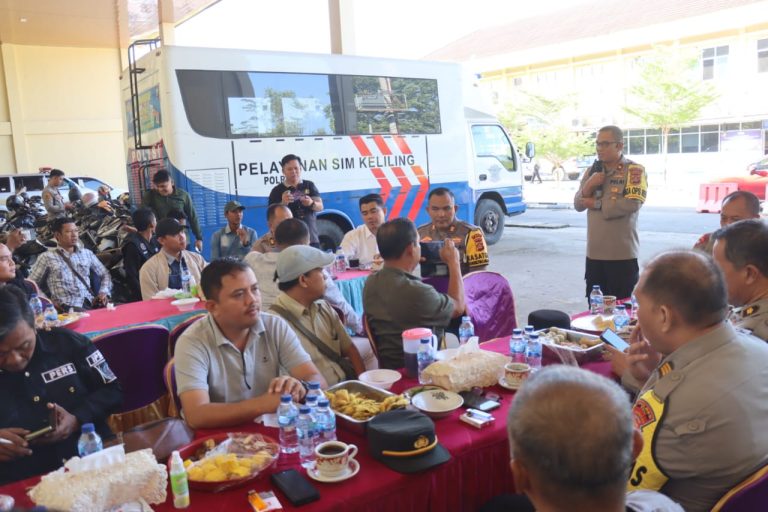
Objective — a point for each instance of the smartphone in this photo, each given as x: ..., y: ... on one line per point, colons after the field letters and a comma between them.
x: 473, y: 401
x: 50, y: 426
x: 614, y: 340
x: 430, y: 251
x: 296, y: 488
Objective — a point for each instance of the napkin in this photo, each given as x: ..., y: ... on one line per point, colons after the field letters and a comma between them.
x: 168, y: 293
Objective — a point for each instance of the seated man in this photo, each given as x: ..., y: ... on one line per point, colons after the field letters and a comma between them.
x: 64, y: 273
x: 360, y: 243
x: 276, y: 213
x: 288, y: 233
x: 9, y: 276
x: 43, y: 373
x: 590, y: 474
x: 228, y: 365
x: 740, y: 251
x: 702, y: 409
x: 163, y: 270
x: 468, y: 239
x: 233, y: 240
x: 736, y: 206
x: 395, y: 300
x: 300, y: 303
x: 138, y: 247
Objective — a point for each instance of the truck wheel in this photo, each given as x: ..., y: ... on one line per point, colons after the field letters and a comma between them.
x: 330, y: 234
x: 490, y: 217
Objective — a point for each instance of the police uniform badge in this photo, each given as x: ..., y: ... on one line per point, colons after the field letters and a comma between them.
x: 476, y: 250
x: 636, y: 186
x: 96, y: 361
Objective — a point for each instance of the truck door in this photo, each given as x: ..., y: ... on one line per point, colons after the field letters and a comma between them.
x: 495, y: 163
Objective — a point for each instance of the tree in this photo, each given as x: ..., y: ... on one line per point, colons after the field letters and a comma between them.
x: 544, y: 121
x: 669, y: 95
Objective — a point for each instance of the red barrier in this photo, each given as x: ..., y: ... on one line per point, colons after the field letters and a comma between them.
x: 712, y: 194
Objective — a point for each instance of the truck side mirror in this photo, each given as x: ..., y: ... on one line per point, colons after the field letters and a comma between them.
x: 530, y: 149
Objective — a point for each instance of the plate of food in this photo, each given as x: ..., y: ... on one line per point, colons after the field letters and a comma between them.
x: 593, y: 323
x: 356, y: 402
x: 223, y: 461
x: 565, y: 343
x: 65, y: 319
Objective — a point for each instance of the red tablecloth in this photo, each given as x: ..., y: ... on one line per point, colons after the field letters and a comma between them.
x: 146, y: 311
x: 478, y: 470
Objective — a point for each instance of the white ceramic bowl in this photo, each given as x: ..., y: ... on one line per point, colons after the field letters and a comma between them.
x: 382, y: 379
x: 185, y: 304
x: 437, y: 403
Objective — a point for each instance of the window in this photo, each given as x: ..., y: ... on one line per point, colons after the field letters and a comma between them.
x: 762, y: 56
x: 5, y: 185
x: 710, y: 138
x: 33, y: 183
x: 492, y: 144
x: 233, y: 104
x: 690, y: 139
x: 714, y: 62
x: 652, y: 142
x: 673, y: 141
x: 635, y: 142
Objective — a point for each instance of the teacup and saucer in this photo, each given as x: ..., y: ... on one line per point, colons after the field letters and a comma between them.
x: 334, y: 462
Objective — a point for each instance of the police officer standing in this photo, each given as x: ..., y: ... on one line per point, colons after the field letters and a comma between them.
x: 468, y: 239
x: 138, y: 248
x: 49, y: 378
x: 52, y: 200
x: 612, y: 192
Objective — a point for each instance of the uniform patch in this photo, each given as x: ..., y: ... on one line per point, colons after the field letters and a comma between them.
x: 643, y: 414
x: 637, y: 183
x: 665, y: 369
x: 59, y: 373
x: 97, y: 362
x: 476, y: 251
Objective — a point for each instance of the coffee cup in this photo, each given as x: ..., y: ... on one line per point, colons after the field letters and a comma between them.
x: 332, y: 458
x: 609, y: 304
x: 516, y: 373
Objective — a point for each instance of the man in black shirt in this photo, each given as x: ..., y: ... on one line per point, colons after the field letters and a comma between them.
x: 56, y: 373
x: 138, y: 248
x: 301, y: 196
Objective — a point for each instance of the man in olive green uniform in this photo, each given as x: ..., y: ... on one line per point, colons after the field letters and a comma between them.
x: 166, y: 197
x: 612, y: 191
x: 468, y: 239
x: 740, y: 251
x: 701, y: 410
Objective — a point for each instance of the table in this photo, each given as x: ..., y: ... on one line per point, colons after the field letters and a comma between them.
x: 158, y: 311
x: 478, y: 470
x: 351, y: 283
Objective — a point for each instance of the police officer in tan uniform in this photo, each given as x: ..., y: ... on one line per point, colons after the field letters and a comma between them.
x: 468, y: 239
x: 276, y: 213
x: 740, y: 251
x: 701, y: 409
x: 612, y: 192
x: 736, y: 206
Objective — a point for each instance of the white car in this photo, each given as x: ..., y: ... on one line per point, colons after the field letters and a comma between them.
x: 86, y: 182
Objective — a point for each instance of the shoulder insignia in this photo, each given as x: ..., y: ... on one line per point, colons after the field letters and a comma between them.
x: 749, y: 311
x: 665, y: 369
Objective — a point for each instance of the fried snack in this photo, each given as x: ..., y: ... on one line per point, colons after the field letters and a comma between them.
x: 559, y: 337
x: 219, y: 468
x: 602, y: 323
x: 360, y: 407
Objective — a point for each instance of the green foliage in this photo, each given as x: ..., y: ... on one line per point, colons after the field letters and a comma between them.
x: 544, y: 121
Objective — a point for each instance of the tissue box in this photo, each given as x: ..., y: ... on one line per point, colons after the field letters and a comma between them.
x: 469, y: 367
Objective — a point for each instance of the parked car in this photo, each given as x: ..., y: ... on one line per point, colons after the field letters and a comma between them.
x: 34, y: 183
x: 759, y: 168
x: 94, y: 184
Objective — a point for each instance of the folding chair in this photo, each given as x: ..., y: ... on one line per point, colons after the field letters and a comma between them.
x: 490, y: 304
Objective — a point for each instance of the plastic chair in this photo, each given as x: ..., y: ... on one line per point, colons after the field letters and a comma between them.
x: 438, y: 283
x: 751, y: 494
x: 169, y: 379
x: 177, y: 331
x: 137, y: 356
x: 490, y: 304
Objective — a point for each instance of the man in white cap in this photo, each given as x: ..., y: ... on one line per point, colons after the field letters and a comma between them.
x: 233, y: 240
x: 302, y: 286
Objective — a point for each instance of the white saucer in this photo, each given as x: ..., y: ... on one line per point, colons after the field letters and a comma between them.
x: 503, y: 383
x: 354, y: 468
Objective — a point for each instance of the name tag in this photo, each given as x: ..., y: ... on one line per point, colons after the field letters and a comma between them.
x: 59, y: 373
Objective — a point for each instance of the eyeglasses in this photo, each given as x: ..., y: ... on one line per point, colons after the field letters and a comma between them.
x: 605, y: 143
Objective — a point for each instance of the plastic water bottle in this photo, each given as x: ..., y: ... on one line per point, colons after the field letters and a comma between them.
x: 517, y: 346
x: 50, y: 315
x: 596, y: 300
x: 287, y: 413
x: 528, y: 332
x: 185, y: 278
x: 36, y: 305
x: 305, y: 426
x: 424, y: 358
x: 341, y: 261
x: 466, y: 330
x: 311, y: 402
x: 633, y: 312
x: 325, y: 419
x: 179, y: 481
x: 533, y: 352
x: 620, y: 317
x: 89, y: 441
x: 313, y: 390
